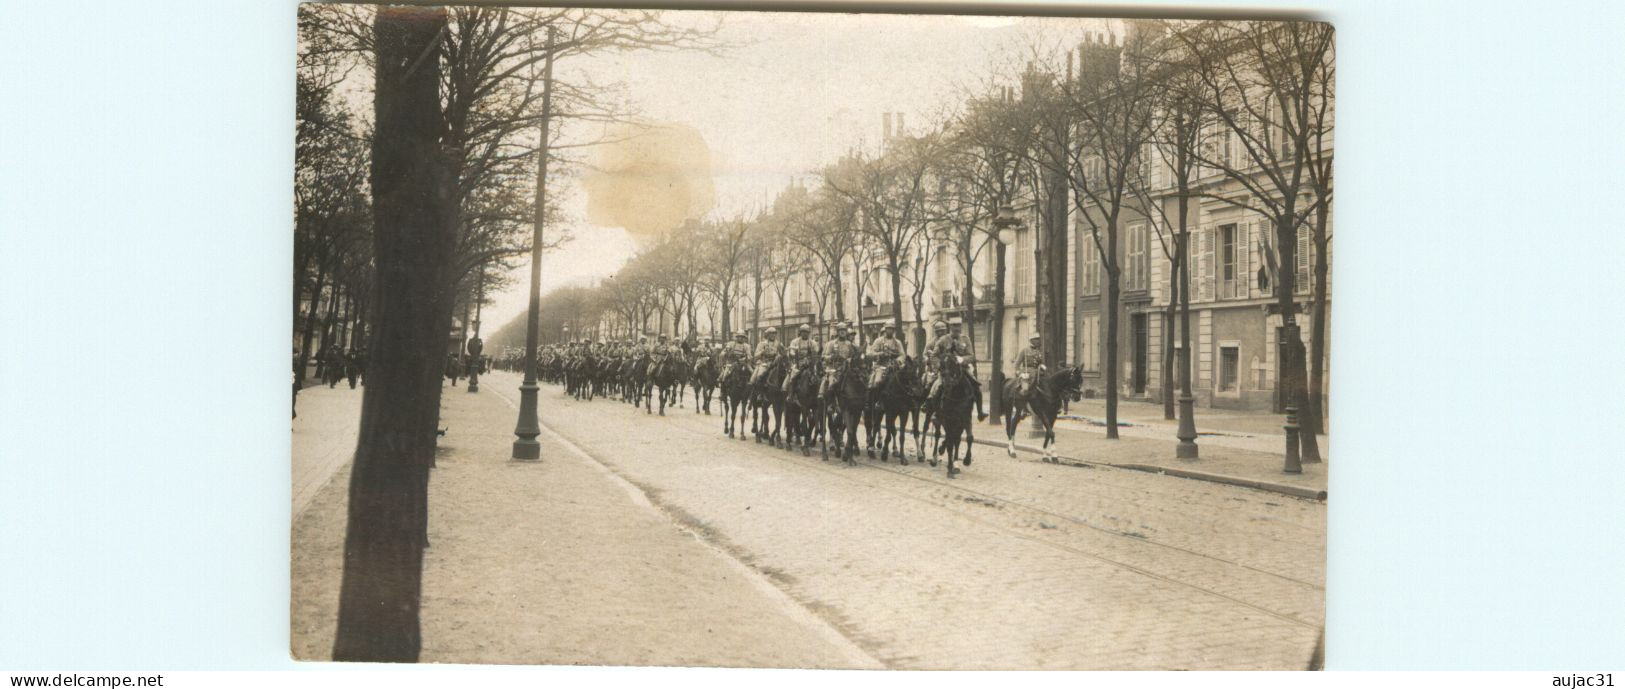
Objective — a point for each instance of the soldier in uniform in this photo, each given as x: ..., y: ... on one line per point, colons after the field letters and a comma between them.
x: 803, y: 352
x: 883, y: 353
x: 658, y: 355
x: 1029, y: 364
x: 948, y: 345
x: 735, y: 354
x: 768, y: 352
x: 837, y: 356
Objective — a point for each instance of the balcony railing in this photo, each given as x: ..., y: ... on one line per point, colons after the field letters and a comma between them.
x: 803, y: 308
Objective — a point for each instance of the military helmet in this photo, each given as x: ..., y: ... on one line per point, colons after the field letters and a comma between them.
x: 804, y: 328
x: 1035, y: 337
x: 888, y: 326
x: 842, y: 327
x: 939, y: 326
x: 739, y: 336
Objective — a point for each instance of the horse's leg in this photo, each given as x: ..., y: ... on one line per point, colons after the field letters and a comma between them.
x: 1011, y: 420
x: 970, y: 437
x: 823, y: 436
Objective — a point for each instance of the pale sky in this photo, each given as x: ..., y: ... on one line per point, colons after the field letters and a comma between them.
x: 801, y: 89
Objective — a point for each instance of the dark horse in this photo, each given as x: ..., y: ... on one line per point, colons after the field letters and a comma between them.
x: 666, y: 377
x: 958, y: 397
x: 894, y: 402
x: 842, y: 409
x: 705, y: 381
x: 1043, y: 398
x: 735, y: 388
x: 801, y: 408
x: 768, y: 398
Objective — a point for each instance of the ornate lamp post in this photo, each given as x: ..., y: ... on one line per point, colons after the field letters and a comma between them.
x: 1005, y: 224
x: 526, y: 447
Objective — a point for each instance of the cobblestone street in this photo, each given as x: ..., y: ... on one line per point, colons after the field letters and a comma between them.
x: 1015, y: 564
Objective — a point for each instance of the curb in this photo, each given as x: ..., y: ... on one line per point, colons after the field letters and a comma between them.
x: 1283, y: 489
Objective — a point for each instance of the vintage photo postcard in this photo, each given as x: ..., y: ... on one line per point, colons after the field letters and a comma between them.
x: 810, y: 340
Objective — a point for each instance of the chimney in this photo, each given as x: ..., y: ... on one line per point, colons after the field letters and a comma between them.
x: 899, y: 124
x: 885, y: 127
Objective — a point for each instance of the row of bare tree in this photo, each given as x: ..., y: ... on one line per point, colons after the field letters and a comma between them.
x: 1139, y: 129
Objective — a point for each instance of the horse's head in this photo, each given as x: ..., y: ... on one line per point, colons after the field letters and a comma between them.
x: 1068, y: 382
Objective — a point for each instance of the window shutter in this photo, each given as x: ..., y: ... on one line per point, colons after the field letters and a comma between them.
x: 1303, y: 260
x: 1205, y: 270
x: 1243, y: 244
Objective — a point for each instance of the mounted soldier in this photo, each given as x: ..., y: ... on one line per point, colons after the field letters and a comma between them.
x: 735, y: 354
x: 947, y: 345
x: 768, y: 352
x: 803, y: 354
x: 658, y: 356
x: 1029, y: 364
x: 837, y: 356
x: 883, y: 354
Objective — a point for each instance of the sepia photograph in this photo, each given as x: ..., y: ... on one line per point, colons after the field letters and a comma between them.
x: 681, y: 338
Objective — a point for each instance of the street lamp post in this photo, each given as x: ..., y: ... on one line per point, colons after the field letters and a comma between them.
x: 526, y: 447
x: 475, y: 345
x: 1005, y: 223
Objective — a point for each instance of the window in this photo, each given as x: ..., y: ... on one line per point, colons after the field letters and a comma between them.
x: 1229, y: 361
x: 1091, y: 343
x: 1227, y: 260
x: 1148, y: 156
x: 1305, y: 252
x: 1091, y: 261
x: 1136, y: 270
x: 1024, y: 265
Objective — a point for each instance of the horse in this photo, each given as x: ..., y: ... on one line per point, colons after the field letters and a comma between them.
x: 894, y: 401
x: 735, y: 388
x: 768, y: 398
x: 664, y: 378
x: 626, y: 375
x: 957, y: 399
x: 705, y: 381
x: 842, y: 409
x: 801, y: 408
x: 1043, y: 399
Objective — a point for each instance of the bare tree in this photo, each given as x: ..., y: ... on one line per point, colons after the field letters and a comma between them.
x: 890, y: 195
x: 1268, y: 84
x: 726, y: 247
x: 824, y: 224
x: 1100, y: 121
x: 981, y: 172
x: 388, y: 506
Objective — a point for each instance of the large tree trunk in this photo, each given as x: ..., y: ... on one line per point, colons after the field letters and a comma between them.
x: 1054, y: 305
x: 967, y: 296
x: 996, y: 335
x: 1168, y: 339
x: 1113, y: 293
x: 1291, y: 363
x: 1314, y: 421
x: 897, y: 298
x: 413, y: 235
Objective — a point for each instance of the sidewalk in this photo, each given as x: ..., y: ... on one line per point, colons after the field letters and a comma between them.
x: 557, y: 562
x: 1234, y: 447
